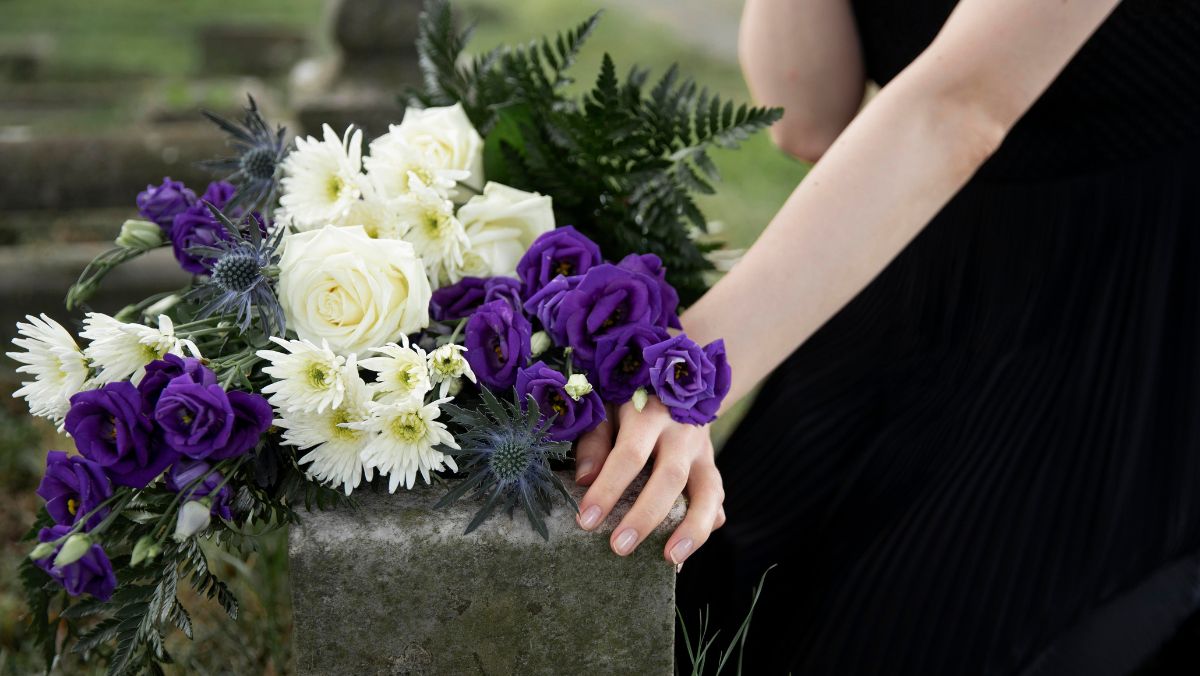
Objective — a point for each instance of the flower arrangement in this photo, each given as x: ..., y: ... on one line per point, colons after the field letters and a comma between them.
x: 358, y: 310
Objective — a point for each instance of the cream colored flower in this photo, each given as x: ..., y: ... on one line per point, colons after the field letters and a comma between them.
x: 446, y: 137
x: 334, y: 449
x: 322, y: 178
x: 440, y: 240
x: 406, y: 435
x: 56, y: 363
x: 501, y: 225
x: 341, y: 286
x: 402, y: 371
x: 120, y: 351
x: 307, y: 377
x: 447, y: 365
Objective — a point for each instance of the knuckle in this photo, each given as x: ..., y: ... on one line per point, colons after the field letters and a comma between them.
x: 674, y: 472
x: 631, y: 453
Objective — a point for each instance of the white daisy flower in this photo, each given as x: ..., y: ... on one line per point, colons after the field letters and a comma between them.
x: 58, y: 367
x: 403, y: 444
x: 120, y: 351
x: 436, y: 234
x: 447, y: 364
x: 307, y: 377
x: 378, y: 217
x: 334, y: 449
x: 397, y: 166
x: 403, y: 372
x: 322, y: 179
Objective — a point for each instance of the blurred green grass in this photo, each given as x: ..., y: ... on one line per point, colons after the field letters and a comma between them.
x: 113, y: 43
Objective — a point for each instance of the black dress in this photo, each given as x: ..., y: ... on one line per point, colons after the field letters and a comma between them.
x: 989, y: 461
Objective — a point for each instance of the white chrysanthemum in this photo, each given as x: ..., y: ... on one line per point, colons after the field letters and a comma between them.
x: 378, y: 217
x: 120, y: 351
x: 404, y: 440
x: 307, y: 377
x: 403, y: 371
x: 436, y: 234
x: 396, y: 166
x: 322, y: 179
x: 334, y: 449
x: 58, y: 367
x: 447, y: 364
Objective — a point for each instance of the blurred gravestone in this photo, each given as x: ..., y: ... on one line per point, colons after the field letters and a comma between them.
x: 236, y: 49
x: 376, y: 61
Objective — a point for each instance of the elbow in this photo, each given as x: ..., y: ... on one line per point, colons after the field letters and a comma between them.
x: 807, y: 142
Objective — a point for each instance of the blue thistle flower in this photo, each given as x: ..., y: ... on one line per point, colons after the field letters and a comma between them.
x: 254, y: 166
x: 239, y: 281
x: 506, y: 453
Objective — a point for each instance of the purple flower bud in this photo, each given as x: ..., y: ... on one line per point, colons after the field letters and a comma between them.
x: 91, y: 574
x: 690, y: 381
x: 110, y: 429
x: 620, y: 367
x: 163, y: 202
x: 497, y: 342
x: 72, y: 487
x: 572, y: 417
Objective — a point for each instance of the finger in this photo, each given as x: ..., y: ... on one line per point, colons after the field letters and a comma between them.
x: 592, y: 449
x: 705, y: 494
x: 636, y: 436
x: 720, y: 518
x: 671, y: 467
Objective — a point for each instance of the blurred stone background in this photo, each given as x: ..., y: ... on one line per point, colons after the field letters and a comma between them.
x: 99, y: 99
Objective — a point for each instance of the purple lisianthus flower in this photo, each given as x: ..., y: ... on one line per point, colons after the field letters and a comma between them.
x: 691, y: 381
x: 460, y: 299
x: 652, y: 266
x: 572, y: 417
x: 497, y: 341
x: 545, y: 303
x: 620, y: 367
x: 161, y: 203
x: 252, y: 417
x: 196, y: 226
x: 607, y: 298
x: 185, y: 472
x: 160, y: 372
x: 562, y: 251
x: 93, y: 574
x: 194, y: 414
x: 111, y: 430
x: 72, y: 487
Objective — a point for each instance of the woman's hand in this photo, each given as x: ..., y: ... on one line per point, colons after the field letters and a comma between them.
x: 683, y: 462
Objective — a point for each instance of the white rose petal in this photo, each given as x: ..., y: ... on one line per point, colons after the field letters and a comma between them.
x: 501, y: 225
x: 341, y: 286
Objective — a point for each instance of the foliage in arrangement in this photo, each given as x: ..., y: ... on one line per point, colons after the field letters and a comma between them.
x: 398, y: 310
x: 622, y: 162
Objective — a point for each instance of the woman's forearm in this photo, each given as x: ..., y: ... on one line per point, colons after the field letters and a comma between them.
x: 909, y: 151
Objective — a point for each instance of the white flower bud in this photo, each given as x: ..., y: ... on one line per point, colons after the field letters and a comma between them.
x: 539, y: 343
x: 72, y: 550
x: 42, y: 551
x: 139, y: 235
x: 640, y: 397
x: 578, y: 386
x: 162, y: 306
x: 194, y: 516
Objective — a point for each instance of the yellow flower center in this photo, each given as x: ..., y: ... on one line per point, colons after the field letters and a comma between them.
x: 408, y: 427
x: 72, y: 506
x: 317, y: 376
x: 342, y: 433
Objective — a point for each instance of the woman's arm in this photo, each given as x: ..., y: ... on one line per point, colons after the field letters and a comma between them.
x: 880, y: 183
x: 804, y: 56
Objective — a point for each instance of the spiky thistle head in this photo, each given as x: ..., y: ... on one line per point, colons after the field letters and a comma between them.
x: 254, y: 165
x: 505, y: 453
x: 240, y: 277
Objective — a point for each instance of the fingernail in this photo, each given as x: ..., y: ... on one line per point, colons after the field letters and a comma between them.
x: 583, y: 469
x: 625, y: 541
x: 680, y: 551
x: 590, y: 517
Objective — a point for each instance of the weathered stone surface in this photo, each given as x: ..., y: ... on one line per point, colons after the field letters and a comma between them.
x: 396, y: 588
x: 236, y: 49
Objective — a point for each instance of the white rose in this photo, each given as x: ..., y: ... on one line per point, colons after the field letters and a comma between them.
x: 501, y: 225
x: 339, y: 285
x: 446, y: 137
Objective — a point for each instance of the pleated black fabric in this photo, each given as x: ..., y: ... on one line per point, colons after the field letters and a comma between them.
x: 989, y: 461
